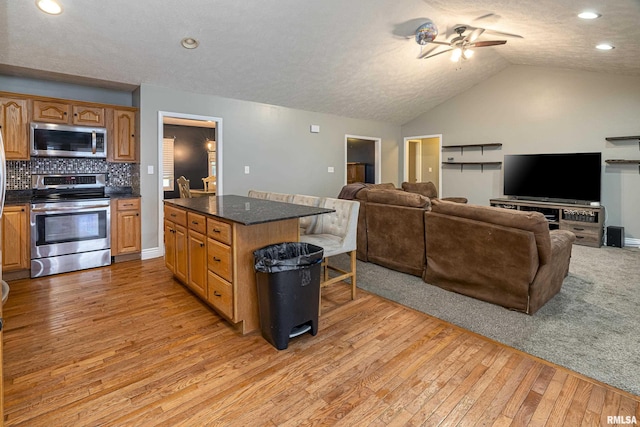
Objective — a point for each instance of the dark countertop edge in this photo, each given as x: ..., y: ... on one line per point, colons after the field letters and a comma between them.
x: 237, y: 221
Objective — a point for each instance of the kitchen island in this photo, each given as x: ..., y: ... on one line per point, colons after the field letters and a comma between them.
x: 209, y: 245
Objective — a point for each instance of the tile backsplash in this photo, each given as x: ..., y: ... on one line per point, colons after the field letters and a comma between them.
x: 118, y: 174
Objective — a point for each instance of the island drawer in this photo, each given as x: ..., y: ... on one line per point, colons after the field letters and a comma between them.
x: 221, y: 231
x: 197, y: 222
x: 178, y: 216
x: 219, y: 259
x: 220, y: 294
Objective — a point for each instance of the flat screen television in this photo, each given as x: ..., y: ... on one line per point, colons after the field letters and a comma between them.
x: 568, y: 177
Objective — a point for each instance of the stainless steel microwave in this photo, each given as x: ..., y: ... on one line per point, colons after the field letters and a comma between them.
x: 55, y: 140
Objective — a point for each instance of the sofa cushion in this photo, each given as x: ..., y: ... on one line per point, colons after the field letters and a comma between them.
x: 529, y: 221
x: 399, y: 198
x: 427, y: 189
x: 362, y: 194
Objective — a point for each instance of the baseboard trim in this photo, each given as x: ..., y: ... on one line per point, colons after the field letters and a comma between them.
x: 632, y: 242
x: 152, y: 253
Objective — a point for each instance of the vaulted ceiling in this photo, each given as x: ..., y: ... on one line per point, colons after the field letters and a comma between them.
x: 355, y: 58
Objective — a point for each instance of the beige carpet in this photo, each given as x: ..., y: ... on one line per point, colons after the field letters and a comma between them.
x: 592, y: 326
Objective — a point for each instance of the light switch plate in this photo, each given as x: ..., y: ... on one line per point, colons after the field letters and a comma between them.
x: 246, y: 169
x: 150, y: 169
x: 330, y: 169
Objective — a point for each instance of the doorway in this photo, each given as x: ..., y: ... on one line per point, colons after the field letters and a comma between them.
x: 362, y: 156
x: 190, y: 146
x: 422, y: 159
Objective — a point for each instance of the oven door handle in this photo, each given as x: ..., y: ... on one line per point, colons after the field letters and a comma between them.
x: 70, y: 208
x: 93, y: 142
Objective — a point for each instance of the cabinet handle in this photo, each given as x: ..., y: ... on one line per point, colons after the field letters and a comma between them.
x: 202, y: 245
x: 22, y: 210
x: 216, y: 230
x: 127, y: 204
x: 216, y: 259
x: 578, y: 229
x: 579, y: 237
x: 217, y: 294
x: 137, y: 214
x: 194, y: 222
x: 173, y: 215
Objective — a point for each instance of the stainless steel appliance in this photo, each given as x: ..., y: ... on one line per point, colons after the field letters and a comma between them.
x: 70, y: 223
x: 68, y: 141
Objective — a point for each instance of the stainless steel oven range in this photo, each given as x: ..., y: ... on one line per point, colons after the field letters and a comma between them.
x: 70, y: 223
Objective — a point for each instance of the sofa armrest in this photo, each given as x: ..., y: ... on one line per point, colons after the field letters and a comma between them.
x: 455, y: 199
x: 560, y: 239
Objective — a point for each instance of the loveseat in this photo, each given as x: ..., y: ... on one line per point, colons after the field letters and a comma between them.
x: 505, y: 257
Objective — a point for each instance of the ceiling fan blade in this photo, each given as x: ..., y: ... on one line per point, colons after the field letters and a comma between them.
x: 440, y: 43
x: 475, y: 34
x: 488, y: 43
x: 436, y: 54
x: 500, y: 33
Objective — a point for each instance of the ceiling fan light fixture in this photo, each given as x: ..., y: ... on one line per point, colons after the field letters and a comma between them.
x: 587, y: 14
x: 605, y: 46
x: 52, y: 7
x: 467, y: 53
x: 456, y: 54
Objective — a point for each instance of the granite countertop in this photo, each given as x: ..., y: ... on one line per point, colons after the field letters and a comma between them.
x: 246, y: 210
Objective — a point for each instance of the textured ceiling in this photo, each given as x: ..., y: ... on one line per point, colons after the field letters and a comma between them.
x: 353, y: 58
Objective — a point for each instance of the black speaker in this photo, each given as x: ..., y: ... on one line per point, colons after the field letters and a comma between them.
x: 615, y: 236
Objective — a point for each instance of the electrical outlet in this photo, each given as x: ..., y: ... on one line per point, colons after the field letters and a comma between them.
x: 330, y: 169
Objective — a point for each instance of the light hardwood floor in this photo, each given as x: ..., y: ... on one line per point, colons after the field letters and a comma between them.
x: 128, y: 345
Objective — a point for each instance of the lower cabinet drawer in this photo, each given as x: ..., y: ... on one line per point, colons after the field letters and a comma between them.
x: 220, y: 294
x: 219, y: 259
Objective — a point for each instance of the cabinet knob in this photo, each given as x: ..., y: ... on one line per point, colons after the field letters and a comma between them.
x: 202, y: 245
x: 137, y: 214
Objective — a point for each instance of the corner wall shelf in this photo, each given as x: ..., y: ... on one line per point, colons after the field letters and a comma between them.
x: 462, y: 147
x: 482, y: 164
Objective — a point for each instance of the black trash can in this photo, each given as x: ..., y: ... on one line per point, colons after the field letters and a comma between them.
x: 288, y: 281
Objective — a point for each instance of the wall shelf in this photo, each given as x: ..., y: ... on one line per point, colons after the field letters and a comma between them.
x: 623, y: 162
x: 462, y: 147
x: 482, y: 164
x: 624, y: 138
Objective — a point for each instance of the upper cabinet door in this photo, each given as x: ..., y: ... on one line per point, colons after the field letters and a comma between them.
x: 123, y: 138
x: 14, y: 120
x: 51, y: 112
x: 88, y: 116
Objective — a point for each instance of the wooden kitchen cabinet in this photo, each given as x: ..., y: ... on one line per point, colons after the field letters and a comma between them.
x: 126, y: 228
x: 50, y: 111
x: 14, y: 124
x: 122, y: 142
x: 15, y: 238
x: 175, y: 242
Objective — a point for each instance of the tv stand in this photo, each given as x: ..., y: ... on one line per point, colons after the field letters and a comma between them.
x: 586, y: 222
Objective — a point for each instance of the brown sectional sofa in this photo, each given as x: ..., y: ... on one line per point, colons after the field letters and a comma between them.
x: 505, y: 257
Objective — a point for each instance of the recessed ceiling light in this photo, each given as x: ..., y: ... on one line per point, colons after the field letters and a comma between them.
x: 189, y: 43
x: 51, y: 7
x: 589, y: 15
x: 605, y: 46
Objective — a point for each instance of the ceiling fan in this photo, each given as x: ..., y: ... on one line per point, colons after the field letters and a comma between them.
x: 460, y: 46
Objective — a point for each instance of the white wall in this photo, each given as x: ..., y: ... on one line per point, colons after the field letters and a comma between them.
x: 274, y: 142
x: 542, y: 110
